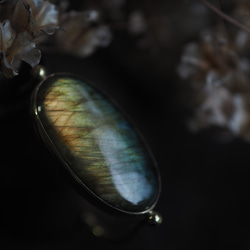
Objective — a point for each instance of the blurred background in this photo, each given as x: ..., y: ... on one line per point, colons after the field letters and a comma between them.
x: 144, y: 65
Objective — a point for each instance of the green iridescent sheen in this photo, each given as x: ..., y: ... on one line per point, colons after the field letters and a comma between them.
x: 97, y: 143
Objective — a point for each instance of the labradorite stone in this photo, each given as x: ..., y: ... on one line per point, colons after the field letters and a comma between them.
x: 97, y: 143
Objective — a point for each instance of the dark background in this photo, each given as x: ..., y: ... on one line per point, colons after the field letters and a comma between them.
x: 205, y: 184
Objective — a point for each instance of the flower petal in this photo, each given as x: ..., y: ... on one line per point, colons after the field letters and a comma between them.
x: 6, y: 9
x: 31, y: 55
x: 46, y: 16
x: 26, y: 50
x: 7, y: 69
x: 7, y: 35
x: 81, y: 37
x: 21, y: 19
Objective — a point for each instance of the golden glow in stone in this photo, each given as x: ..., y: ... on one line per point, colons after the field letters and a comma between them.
x: 98, y: 144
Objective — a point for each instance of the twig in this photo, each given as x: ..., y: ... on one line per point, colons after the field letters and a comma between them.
x: 225, y: 16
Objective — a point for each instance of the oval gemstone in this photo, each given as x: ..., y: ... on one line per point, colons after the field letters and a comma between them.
x: 97, y: 143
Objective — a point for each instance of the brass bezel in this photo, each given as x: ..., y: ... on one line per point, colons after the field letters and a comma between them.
x: 49, y: 144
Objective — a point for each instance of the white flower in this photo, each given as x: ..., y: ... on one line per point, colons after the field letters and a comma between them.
x: 217, y: 84
x: 46, y: 16
x: 80, y: 36
x: 14, y: 48
x: 21, y: 23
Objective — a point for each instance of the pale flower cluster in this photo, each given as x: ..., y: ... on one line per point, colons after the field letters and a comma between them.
x: 26, y: 23
x: 83, y: 33
x: 22, y: 24
x: 214, y: 72
x: 217, y: 82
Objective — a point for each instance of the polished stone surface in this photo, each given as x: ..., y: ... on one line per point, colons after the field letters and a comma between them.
x: 97, y: 143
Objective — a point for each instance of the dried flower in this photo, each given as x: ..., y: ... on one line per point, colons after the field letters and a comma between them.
x: 218, y: 80
x: 22, y: 22
x: 14, y: 48
x: 45, y: 15
x: 83, y: 33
